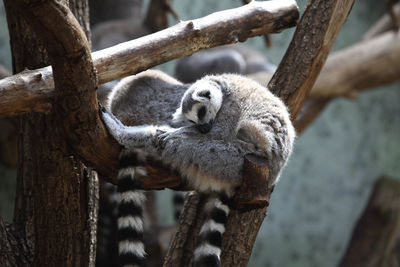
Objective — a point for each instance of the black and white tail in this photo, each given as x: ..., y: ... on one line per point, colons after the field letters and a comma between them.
x: 209, y: 245
x: 130, y: 210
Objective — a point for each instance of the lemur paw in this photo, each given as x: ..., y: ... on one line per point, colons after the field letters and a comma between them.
x: 165, y: 134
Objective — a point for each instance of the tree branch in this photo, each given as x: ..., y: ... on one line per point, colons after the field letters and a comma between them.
x: 131, y: 57
x: 325, y: 18
x: 361, y: 66
x: 348, y: 72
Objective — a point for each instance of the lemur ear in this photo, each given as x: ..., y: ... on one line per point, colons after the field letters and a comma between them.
x: 178, y: 116
x: 204, y: 94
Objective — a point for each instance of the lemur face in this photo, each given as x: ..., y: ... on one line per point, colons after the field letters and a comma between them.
x: 200, y: 105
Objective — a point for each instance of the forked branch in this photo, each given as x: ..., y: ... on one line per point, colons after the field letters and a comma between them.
x: 183, y: 39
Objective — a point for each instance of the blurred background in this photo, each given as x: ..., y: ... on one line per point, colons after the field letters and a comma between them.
x: 336, y: 162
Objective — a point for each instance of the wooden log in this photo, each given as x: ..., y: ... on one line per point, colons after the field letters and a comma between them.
x: 376, y: 232
x: 32, y: 90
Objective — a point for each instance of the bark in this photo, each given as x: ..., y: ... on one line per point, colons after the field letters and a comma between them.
x: 306, y: 54
x: 13, y: 249
x: 56, y: 203
x: 376, y: 233
x: 325, y: 18
x: 347, y: 73
x: 183, y: 39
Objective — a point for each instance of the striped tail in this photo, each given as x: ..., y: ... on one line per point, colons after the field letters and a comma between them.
x: 208, y: 250
x: 130, y: 212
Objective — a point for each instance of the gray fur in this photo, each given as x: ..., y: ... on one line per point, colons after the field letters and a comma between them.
x: 251, y: 120
x: 242, y: 117
x: 150, y: 97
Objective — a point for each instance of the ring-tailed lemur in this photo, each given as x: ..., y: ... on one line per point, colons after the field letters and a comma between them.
x: 233, y: 116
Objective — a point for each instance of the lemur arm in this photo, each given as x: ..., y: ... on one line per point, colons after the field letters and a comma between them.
x: 221, y: 159
x: 130, y: 137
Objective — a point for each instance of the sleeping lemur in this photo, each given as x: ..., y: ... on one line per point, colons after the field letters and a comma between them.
x: 232, y: 116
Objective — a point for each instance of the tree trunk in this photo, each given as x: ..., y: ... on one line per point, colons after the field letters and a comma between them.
x: 56, y: 202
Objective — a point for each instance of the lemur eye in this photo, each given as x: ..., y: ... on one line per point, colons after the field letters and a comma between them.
x: 201, y: 112
x: 205, y: 94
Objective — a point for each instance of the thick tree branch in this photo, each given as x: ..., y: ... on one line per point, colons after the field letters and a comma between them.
x: 63, y: 190
x: 131, y: 57
x: 348, y: 72
x: 75, y: 99
x: 361, y: 66
x: 298, y: 72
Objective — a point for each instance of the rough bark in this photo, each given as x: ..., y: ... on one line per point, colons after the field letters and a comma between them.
x: 306, y: 54
x: 376, y: 233
x: 325, y: 18
x: 13, y: 249
x: 128, y: 58
x: 55, y: 209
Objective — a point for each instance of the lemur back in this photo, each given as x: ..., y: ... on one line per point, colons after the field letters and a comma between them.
x: 232, y: 116
x: 150, y: 97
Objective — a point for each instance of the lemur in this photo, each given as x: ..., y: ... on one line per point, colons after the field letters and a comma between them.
x: 231, y: 116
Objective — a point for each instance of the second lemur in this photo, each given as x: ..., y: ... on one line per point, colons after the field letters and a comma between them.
x: 232, y: 116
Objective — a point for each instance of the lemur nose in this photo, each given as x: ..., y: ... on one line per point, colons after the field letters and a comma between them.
x: 204, y: 128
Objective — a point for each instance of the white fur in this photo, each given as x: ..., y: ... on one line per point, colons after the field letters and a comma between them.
x: 218, y: 204
x: 131, y: 222
x: 137, y: 197
x: 126, y: 171
x: 135, y: 247
x: 206, y: 249
x: 211, y: 225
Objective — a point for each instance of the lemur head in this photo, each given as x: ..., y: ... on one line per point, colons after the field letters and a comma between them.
x: 200, y: 104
